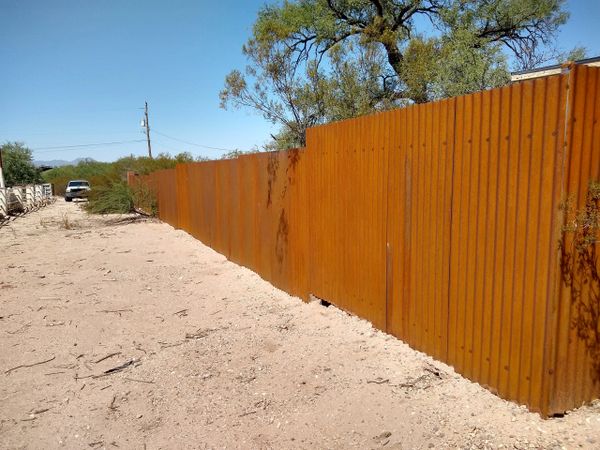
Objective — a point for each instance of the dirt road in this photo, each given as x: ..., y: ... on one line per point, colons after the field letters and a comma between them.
x: 207, y: 355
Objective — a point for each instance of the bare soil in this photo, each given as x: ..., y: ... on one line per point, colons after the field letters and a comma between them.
x: 208, y: 355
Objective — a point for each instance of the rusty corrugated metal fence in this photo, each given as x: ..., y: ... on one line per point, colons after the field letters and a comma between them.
x: 439, y: 223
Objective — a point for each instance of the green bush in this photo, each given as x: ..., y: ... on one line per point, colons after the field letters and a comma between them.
x: 105, y: 174
x: 92, y: 171
x: 110, y: 193
x: 116, y: 198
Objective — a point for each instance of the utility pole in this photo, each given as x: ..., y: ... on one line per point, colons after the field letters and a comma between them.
x: 147, y: 125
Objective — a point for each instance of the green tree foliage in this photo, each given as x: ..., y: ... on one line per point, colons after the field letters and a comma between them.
x: 18, y: 165
x: 233, y: 154
x: 574, y: 54
x: 313, y: 61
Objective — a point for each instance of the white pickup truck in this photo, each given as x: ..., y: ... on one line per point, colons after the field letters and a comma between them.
x: 77, y: 189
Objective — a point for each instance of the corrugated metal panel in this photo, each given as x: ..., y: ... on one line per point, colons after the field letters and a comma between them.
x: 439, y: 223
x: 577, y: 378
x: 348, y: 190
x: 418, y: 224
x: 183, y: 196
x: 252, y: 209
x: 504, y: 203
x: 167, y: 195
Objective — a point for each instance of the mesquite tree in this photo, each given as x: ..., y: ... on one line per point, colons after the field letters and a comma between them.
x: 312, y: 61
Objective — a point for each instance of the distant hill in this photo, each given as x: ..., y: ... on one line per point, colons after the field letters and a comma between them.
x: 60, y: 162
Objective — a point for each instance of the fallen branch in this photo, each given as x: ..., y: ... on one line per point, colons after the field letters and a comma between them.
x: 117, y: 311
x: 142, y: 213
x: 22, y: 366
x: 181, y: 313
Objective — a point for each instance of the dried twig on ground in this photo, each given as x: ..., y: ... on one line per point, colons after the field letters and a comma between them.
x: 378, y: 380
x: 413, y: 383
x: 199, y: 334
x: 140, y: 381
x: 22, y: 366
x: 167, y: 345
x: 20, y: 330
x: 433, y: 370
x: 77, y: 377
x: 116, y: 369
x: 110, y: 355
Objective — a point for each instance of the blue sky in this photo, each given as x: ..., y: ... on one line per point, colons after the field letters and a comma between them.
x: 77, y: 72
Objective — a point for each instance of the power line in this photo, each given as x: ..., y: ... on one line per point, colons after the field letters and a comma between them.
x: 163, y: 145
x: 62, y: 133
x: 194, y: 144
x: 67, y: 147
x: 84, y: 110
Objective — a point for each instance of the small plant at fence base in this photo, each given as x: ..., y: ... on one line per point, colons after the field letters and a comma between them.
x: 580, y: 270
x: 144, y: 199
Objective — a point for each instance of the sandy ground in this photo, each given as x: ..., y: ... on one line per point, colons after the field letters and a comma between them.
x: 215, y: 357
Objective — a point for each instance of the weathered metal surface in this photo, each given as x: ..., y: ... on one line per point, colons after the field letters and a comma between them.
x: 252, y: 209
x: 439, y: 223
x: 575, y: 318
x: 347, y: 212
